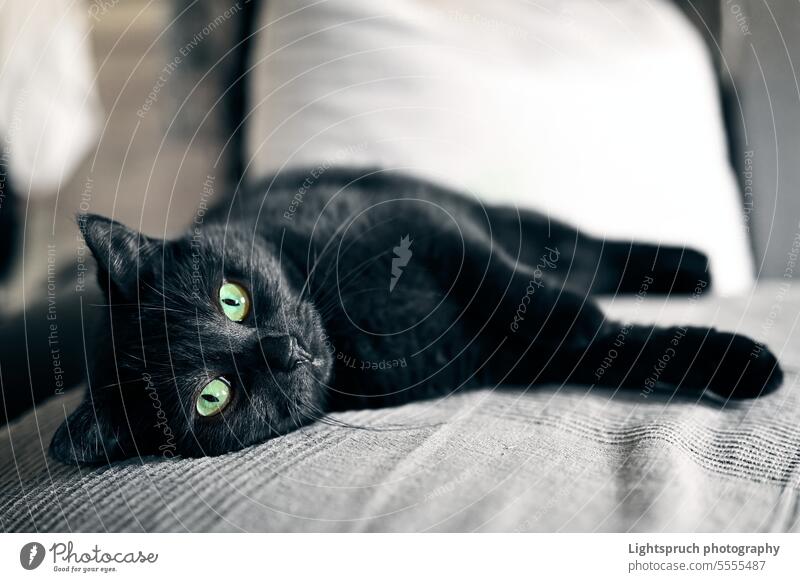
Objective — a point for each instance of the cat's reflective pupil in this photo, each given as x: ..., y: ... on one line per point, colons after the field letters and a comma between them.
x: 213, y: 398
x: 234, y: 301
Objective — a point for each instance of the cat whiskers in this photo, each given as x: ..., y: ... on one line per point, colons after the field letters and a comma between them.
x: 311, y: 277
x: 358, y: 268
x: 328, y: 245
x: 328, y: 297
x: 113, y: 384
x: 145, y: 307
x: 329, y: 420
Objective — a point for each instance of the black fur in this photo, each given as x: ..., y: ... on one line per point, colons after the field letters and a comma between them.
x: 481, y: 295
x: 10, y: 230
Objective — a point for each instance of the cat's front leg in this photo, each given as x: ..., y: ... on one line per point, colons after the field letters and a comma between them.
x: 552, y: 315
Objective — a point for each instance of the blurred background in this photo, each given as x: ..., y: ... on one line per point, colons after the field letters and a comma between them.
x: 147, y: 87
x: 146, y: 170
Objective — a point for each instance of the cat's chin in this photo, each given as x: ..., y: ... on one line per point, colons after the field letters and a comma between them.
x: 306, y: 388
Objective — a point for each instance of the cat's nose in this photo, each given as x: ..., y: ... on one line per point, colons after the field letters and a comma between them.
x: 282, y: 352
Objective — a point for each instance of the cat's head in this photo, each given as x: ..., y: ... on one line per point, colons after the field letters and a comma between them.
x: 204, y: 346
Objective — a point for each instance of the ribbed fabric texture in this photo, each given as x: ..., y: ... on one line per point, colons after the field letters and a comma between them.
x: 543, y: 459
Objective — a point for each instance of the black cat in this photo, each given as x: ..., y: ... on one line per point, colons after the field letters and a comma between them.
x: 331, y: 289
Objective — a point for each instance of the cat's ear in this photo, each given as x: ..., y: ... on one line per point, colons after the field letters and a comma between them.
x: 88, y: 436
x: 120, y: 251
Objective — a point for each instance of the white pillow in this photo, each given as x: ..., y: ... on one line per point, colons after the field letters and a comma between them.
x: 50, y: 113
x: 602, y: 113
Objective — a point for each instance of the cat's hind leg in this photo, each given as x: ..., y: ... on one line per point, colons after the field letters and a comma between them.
x: 664, y: 269
x: 645, y: 358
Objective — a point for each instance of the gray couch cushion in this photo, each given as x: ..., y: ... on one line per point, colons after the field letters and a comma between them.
x: 543, y: 459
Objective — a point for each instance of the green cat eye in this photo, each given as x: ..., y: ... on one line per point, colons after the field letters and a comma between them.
x: 213, y: 398
x: 234, y: 301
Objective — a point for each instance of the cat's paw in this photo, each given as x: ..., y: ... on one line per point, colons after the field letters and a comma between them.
x: 746, y: 370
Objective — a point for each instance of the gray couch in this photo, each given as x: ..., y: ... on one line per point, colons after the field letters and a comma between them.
x: 551, y: 458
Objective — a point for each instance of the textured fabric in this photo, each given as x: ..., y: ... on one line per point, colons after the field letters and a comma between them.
x: 604, y: 113
x: 549, y: 458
